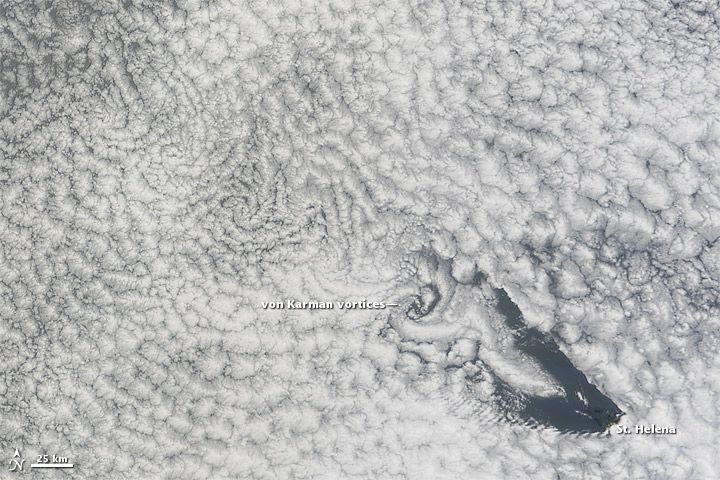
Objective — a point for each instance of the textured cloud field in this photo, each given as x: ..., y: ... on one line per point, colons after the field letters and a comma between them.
x: 167, y: 167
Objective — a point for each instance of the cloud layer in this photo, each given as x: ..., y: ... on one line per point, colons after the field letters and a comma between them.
x: 166, y: 167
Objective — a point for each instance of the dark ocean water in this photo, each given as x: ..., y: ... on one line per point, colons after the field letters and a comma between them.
x: 583, y: 408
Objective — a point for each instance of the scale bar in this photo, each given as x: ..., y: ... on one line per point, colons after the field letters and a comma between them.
x: 51, y: 465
